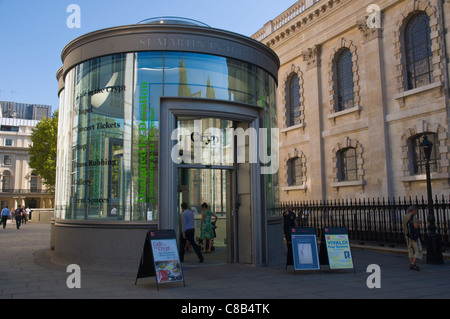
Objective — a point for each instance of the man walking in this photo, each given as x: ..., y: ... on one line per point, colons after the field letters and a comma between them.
x: 18, y: 216
x: 5, y: 215
x: 411, y: 229
x: 188, y: 232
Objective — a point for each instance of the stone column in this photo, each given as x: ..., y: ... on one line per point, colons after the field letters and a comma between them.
x: 374, y: 104
x: 314, y: 123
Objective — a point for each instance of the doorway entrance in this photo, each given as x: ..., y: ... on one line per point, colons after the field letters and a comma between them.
x: 202, y: 141
x: 213, y: 186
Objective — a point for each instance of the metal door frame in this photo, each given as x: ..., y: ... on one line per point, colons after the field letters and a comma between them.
x: 170, y: 109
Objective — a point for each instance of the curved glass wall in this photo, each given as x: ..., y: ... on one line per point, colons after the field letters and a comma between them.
x: 111, y: 105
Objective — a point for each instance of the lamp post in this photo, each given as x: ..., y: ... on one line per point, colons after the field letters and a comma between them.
x: 434, y: 253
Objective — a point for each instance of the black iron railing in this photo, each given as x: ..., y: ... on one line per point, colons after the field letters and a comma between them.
x: 372, y: 220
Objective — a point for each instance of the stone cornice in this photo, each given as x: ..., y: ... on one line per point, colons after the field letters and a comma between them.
x: 305, y: 18
x: 321, y: 10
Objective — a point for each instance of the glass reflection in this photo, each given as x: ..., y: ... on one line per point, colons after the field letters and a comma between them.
x: 148, y: 90
x: 205, y: 76
x: 109, y: 127
x: 98, y: 172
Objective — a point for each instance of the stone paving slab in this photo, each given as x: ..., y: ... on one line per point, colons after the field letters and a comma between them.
x: 25, y: 273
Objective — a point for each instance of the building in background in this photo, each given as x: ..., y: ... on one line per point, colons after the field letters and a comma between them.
x: 360, y: 84
x: 18, y: 186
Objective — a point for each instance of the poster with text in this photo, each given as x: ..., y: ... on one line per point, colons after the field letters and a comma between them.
x: 167, y: 260
x: 304, y: 249
x: 338, y: 249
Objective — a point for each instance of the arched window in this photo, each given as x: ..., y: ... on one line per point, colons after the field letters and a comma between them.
x: 295, y: 171
x: 344, y: 80
x: 418, y: 51
x: 293, y: 101
x: 417, y: 156
x: 347, y: 165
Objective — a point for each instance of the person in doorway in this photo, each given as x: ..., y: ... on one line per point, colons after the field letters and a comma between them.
x: 18, y: 216
x: 412, y: 237
x: 5, y: 215
x: 206, y: 227
x: 188, y: 232
x: 114, y: 211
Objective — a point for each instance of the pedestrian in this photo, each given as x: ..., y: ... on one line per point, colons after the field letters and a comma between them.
x: 12, y: 212
x: 5, y: 215
x: 411, y: 225
x: 188, y: 232
x: 206, y: 227
x: 289, y: 221
x: 28, y: 212
x: 114, y: 211
x: 18, y: 216
x: 24, y: 216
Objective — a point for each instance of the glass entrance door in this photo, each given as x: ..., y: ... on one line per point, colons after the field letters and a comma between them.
x: 212, y: 186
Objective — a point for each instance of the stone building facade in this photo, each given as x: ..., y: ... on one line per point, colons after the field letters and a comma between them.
x: 18, y: 184
x: 360, y: 84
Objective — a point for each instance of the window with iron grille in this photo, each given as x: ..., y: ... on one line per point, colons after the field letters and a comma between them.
x: 295, y: 171
x: 418, y: 156
x: 293, y: 100
x: 347, y: 165
x: 344, y: 80
x: 418, y: 51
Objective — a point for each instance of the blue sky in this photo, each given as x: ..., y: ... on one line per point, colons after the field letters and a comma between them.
x: 33, y: 33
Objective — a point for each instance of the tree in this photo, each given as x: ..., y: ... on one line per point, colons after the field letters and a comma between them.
x: 43, y: 150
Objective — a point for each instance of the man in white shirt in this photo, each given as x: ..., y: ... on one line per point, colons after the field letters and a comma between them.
x: 28, y: 213
x: 188, y: 232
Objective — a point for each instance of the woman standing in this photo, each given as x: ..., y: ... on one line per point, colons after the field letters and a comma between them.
x: 206, y: 227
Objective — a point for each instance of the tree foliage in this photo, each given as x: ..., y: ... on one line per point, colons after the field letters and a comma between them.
x: 43, y: 150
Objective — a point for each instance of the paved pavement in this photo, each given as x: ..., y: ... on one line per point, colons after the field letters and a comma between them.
x: 26, y: 273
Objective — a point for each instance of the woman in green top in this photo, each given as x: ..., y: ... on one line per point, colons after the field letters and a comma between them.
x: 206, y: 227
